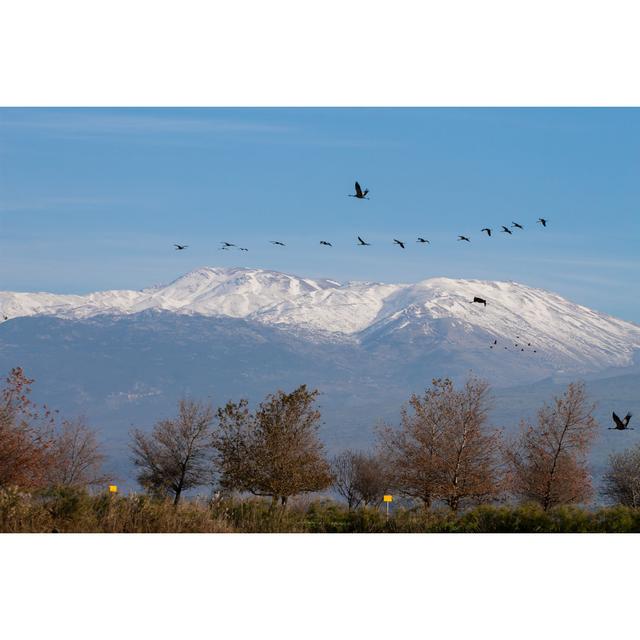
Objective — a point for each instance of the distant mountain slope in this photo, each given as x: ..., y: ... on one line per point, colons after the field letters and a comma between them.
x: 435, y: 315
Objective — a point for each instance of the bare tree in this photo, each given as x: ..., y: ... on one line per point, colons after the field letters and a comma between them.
x: 548, y: 461
x: 622, y: 478
x: 274, y: 451
x: 344, y: 469
x: 175, y: 456
x: 443, y: 449
x: 77, y: 458
x: 359, y: 478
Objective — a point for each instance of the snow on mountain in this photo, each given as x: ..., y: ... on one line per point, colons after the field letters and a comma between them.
x: 207, y: 291
x: 565, y: 334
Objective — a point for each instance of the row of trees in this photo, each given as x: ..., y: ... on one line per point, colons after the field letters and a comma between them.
x: 442, y: 452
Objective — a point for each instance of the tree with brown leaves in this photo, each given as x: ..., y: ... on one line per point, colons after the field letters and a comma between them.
x: 26, y: 435
x: 443, y: 449
x: 274, y: 451
x: 359, y: 478
x: 548, y: 461
x: 175, y: 456
x: 622, y: 478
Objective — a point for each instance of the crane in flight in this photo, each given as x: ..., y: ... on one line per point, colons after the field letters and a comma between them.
x: 360, y: 194
x: 362, y: 243
x: 621, y: 425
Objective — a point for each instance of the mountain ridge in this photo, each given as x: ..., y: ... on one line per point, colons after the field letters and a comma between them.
x: 433, y: 313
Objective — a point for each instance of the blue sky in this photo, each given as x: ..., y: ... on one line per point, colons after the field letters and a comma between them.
x: 95, y: 198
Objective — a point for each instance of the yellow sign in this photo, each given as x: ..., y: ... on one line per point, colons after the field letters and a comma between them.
x: 113, y: 488
x: 388, y: 498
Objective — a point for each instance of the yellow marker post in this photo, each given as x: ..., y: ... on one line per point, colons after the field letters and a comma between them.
x: 387, y: 499
x: 113, y: 488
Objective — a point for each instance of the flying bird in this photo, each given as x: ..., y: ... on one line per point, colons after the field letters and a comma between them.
x: 228, y: 244
x: 621, y: 425
x: 423, y: 241
x: 506, y: 230
x: 243, y: 249
x: 282, y: 244
x: 464, y: 238
x: 360, y: 194
x: 326, y: 244
x: 180, y: 247
x: 480, y: 300
x: 516, y: 225
x: 398, y: 242
x: 362, y: 243
x: 486, y: 230
x: 542, y: 221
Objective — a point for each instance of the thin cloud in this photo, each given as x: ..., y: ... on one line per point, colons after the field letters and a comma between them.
x: 87, y: 123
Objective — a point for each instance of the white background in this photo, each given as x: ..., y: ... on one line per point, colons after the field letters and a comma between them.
x: 286, y: 53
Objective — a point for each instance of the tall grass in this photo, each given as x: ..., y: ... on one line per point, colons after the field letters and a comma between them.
x: 74, y: 511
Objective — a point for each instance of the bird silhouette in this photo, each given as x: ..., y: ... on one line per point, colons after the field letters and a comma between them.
x: 398, y: 242
x: 516, y: 225
x: 326, y: 244
x: 282, y: 244
x: 360, y: 194
x: 542, y: 221
x: 180, y: 247
x: 243, y: 249
x: 228, y: 244
x: 506, y: 230
x: 480, y: 300
x: 423, y: 241
x: 362, y: 243
x: 486, y: 230
x: 621, y: 425
x: 464, y: 238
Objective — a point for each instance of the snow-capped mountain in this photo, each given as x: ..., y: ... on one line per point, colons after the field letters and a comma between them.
x: 434, y: 313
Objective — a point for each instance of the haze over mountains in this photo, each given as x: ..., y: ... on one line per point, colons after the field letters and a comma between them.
x: 124, y: 357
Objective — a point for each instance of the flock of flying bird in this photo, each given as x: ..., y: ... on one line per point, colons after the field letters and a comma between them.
x: 361, y: 194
